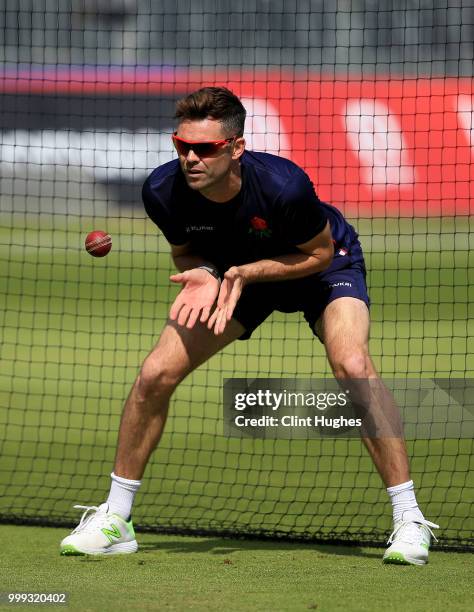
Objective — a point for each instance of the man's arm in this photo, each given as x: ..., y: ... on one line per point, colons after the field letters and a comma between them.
x: 316, y: 255
x: 184, y: 259
x: 201, y: 287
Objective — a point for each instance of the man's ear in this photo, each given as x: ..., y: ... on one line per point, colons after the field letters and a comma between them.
x: 239, y: 147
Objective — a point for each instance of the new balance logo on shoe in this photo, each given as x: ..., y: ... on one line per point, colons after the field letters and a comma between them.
x: 112, y: 533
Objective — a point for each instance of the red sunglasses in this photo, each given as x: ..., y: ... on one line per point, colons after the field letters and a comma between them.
x: 202, y: 149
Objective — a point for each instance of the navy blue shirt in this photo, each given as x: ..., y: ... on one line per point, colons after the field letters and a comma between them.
x: 275, y: 210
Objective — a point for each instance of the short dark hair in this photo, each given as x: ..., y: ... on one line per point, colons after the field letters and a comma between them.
x: 216, y: 102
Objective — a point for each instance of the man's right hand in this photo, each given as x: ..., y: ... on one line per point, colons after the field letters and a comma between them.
x: 196, y: 298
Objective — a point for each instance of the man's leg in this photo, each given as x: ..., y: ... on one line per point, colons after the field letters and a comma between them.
x: 344, y: 328
x: 178, y: 352
x: 108, y: 529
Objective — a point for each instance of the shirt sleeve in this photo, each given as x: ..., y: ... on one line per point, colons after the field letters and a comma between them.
x: 162, y: 212
x: 300, y: 213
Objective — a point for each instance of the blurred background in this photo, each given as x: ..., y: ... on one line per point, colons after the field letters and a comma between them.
x: 411, y: 37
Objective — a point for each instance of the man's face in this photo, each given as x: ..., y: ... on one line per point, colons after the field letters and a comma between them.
x: 206, y: 172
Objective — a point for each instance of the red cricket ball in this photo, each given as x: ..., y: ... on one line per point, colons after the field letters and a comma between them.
x: 98, y: 243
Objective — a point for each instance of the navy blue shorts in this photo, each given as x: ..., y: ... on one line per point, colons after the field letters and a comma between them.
x: 310, y: 295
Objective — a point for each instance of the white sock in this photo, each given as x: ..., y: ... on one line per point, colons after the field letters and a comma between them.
x: 403, y: 498
x: 121, y: 496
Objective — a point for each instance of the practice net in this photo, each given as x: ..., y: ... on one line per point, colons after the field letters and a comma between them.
x: 376, y: 104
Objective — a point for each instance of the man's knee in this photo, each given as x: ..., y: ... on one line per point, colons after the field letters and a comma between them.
x: 157, y: 378
x: 356, y: 364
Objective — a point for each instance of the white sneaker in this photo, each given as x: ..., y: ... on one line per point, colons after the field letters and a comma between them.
x: 100, y: 533
x: 410, y: 540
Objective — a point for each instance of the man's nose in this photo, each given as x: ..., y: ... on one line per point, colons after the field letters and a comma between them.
x: 192, y: 157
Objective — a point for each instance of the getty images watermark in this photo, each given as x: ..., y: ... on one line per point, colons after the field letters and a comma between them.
x: 314, y: 408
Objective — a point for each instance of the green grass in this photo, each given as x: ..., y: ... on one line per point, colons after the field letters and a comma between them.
x: 185, y: 573
x: 75, y: 329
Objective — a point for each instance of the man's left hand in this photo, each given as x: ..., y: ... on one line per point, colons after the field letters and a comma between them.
x: 229, y: 294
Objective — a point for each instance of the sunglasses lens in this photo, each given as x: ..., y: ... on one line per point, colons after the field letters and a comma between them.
x: 181, y: 147
x: 205, y: 149
x: 202, y: 149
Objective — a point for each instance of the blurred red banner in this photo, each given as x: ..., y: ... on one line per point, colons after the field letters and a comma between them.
x: 373, y: 147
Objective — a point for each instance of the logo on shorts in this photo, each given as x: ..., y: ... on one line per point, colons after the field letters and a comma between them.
x: 340, y: 250
x: 341, y: 284
x: 259, y: 228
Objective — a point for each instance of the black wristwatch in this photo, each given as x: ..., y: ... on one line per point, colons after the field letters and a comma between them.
x: 211, y: 270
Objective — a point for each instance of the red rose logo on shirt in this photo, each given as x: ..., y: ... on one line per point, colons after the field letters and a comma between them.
x: 259, y: 227
x: 258, y: 224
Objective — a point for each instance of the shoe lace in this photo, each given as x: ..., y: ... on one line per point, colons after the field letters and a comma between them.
x: 92, y: 518
x: 410, y: 531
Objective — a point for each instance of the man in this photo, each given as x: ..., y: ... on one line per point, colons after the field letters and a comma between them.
x: 249, y: 236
